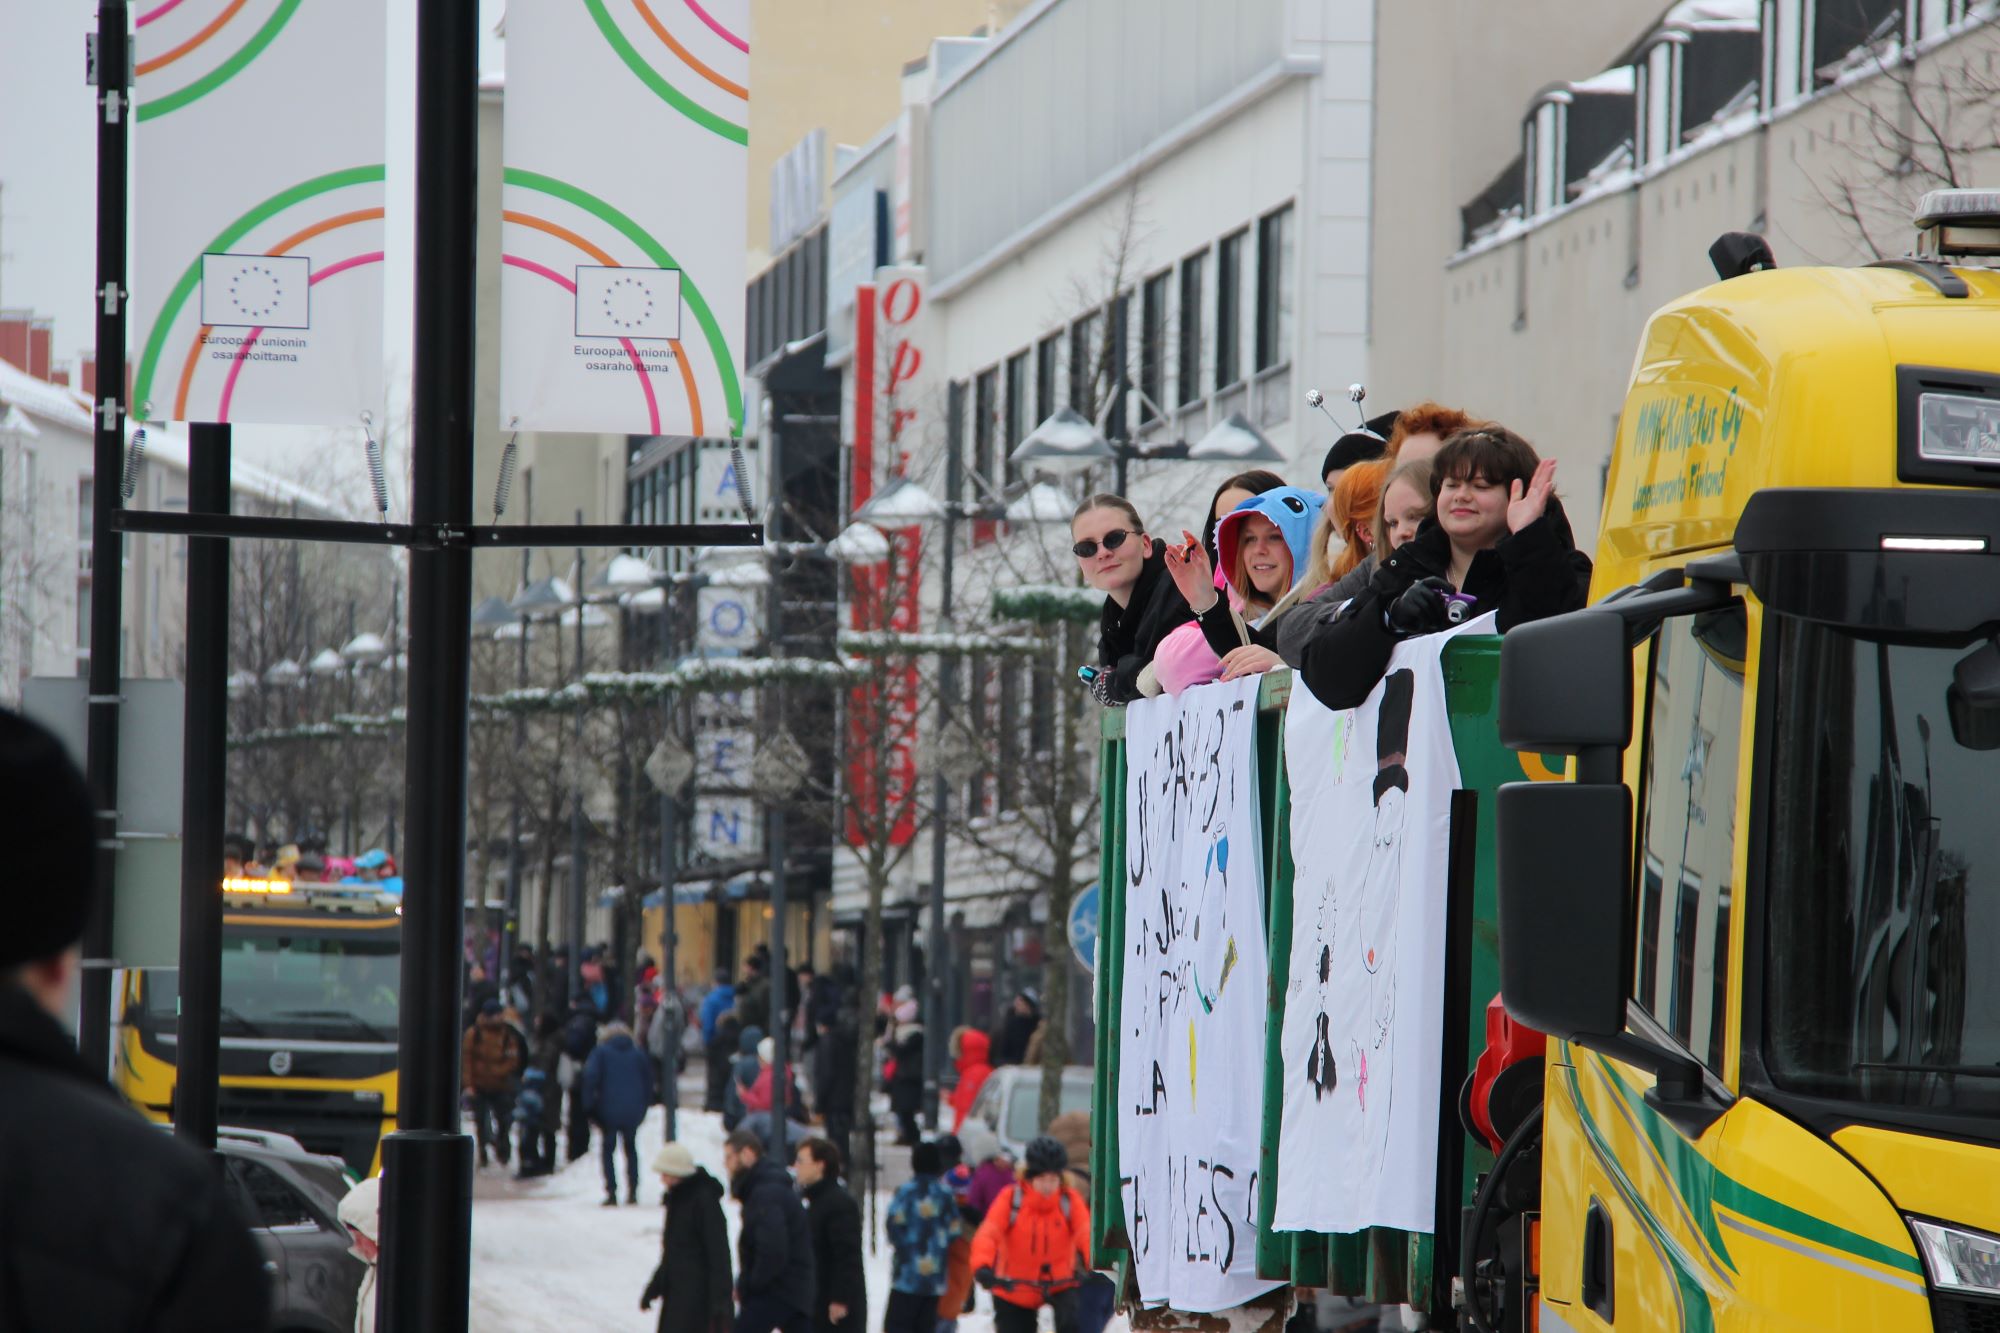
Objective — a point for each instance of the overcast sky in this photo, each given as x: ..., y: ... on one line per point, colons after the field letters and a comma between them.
x: 48, y: 209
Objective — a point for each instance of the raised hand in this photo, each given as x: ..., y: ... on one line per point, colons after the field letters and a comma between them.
x: 1525, y: 504
x: 1189, y: 566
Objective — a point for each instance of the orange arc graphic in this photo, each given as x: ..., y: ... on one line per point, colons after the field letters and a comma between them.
x: 282, y: 247
x: 687, y: 56
x: 169, y: 57
x: 563, y: 233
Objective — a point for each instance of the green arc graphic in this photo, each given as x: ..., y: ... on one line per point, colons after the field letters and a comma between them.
x: 732, y: 390
x: 224, y: 72
x: 652, y: 78
x: 234, y: 232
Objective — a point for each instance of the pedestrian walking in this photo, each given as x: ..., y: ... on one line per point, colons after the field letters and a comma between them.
x: 579, y: 1040
x: 992, y: 1169
x: 617, y: 1090
x: 840, y: 1290
x: 833, y: 1057
x: 774, y: 1261
x: 491, y: 1056
x: 692, y: 1281
x: 663, y: 1036
x: 906, y: 1083
x: 921, y: 1223
x: 719, y: 1054
x: 956, y: 1298
x: 110, y: 1224
x: 969, y: 1047
x: 1096, y: 1294
x: 1033, y: 1249
x: 1024, y: 1016
x: 742, y: 1075
x: 538, y: 1108
x: 361, y: 1213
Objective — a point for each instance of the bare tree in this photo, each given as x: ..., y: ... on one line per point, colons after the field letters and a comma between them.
x: 1922, y: 120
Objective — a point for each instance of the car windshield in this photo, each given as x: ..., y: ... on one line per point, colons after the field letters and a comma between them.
x: 1885, y: 880
x: 340, y: 986
x: 1024, y: 1105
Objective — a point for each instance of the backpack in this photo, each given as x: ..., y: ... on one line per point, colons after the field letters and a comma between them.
x: 1014, y: 1209
x: 579, y: 1035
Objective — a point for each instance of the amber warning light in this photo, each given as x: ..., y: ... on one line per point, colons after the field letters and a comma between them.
x: 256, y: 886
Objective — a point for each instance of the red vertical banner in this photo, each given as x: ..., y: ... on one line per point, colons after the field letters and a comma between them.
x: 888, y: 366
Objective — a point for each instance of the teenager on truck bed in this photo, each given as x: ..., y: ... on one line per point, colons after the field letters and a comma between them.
x: 1498, y: 536
x: 1141, y: 604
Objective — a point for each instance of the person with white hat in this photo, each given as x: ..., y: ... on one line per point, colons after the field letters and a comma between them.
x: 693, y: 1279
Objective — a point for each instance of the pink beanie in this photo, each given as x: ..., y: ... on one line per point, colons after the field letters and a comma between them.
x: 1184, y: 658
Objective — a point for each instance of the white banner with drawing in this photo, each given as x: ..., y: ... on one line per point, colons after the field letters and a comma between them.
x: 1191, y: 1048
x: 1364, y: 999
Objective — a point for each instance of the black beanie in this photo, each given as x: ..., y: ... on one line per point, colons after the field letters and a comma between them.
x: 1360, y: 446
x: 46, y: 812
x: 925, y: 1160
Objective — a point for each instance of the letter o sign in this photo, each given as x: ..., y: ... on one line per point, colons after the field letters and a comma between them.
x: 902, y: 301
x: 728, y: 619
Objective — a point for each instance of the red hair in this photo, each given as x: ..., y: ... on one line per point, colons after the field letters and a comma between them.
x: 1357, y: 497
x: 1427, y: 418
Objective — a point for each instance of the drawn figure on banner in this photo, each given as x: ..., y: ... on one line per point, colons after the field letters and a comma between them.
x: 1383, y: 899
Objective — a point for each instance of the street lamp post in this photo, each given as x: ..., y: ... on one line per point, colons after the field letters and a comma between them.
x: 775, y: 774
x: 670, y: 768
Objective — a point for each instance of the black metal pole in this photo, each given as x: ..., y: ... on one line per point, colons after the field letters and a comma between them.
x: 427, y: 1164
x: 204, y: 785
x: 780, y: 1029
x: 576, y: 841
x: 670, y: 1091
x: 934, y: 968
x: 107, y: 543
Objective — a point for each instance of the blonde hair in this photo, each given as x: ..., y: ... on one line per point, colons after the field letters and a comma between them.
x: 1414, y: 473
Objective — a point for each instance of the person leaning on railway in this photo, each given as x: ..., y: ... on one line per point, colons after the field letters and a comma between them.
x: 110, y: 1224
x: 1141, y: 603
x: 1498, y: 536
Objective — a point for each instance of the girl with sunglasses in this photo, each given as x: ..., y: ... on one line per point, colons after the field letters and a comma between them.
x: 1141, y: 604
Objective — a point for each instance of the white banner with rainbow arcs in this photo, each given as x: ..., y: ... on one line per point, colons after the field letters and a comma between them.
x: 626, y: 147
x: 257, y: 225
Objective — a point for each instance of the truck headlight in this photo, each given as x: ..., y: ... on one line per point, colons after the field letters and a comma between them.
x: 1958, y: 1259
x: 1958, y: 428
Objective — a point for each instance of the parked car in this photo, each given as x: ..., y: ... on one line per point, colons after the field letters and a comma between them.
x: 292, y: 1200
x: 1010, y: 1102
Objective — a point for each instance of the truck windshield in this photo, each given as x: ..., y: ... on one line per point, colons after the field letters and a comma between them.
x: 1884, y: 880
x: 340, y: 985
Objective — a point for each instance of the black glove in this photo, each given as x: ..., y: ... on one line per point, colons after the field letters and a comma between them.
x: 985, y: 1278
x: 1100, y: 690
x: 653, y: 1293
x: 1420, y: 610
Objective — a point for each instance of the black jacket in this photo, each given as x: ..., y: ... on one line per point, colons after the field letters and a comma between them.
x: 693, y: 1277
x: 906, y: 1089
x: 835, y: 1220
x: 1128, y: 636
x: 833, y: 1058
x: 1531, y: 574
x: 775, y: 1250
x: 106, y: 1222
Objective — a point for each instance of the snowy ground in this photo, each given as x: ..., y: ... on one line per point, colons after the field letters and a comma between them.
x: 549, y: 1257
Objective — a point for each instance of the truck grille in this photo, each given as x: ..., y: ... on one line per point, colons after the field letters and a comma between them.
x: 1965, y: 1314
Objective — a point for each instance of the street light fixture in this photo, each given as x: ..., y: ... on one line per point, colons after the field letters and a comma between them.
x: 859, y: 544
x: 1040, y: 503
x: 367, y: 649
x: 776, y: 773
x: 283, y: 673
x: 327, y: 663
x: 899, y: 504
x: 1235, y: 440
x: 491, y: 614
x: 1067, y: 439
x: 542, y: 598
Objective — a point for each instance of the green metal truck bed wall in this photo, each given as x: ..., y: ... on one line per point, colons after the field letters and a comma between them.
x: 1379, y: 1264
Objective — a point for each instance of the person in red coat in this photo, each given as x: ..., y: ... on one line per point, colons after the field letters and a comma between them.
x: 970, y: 1049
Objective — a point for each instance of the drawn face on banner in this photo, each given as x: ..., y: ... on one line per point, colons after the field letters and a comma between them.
x: 1376, y: 940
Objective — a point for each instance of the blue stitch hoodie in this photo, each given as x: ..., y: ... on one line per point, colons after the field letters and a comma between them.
x: 1292, y: 510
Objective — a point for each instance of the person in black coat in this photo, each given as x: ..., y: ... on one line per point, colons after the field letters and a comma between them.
x: 1024, y: 1015
x: 906, y: 1085
x: 840, y: 1290
x: 1498, y: 536
x: 774, y: 1255
x: 692, y: 1280
x: 833, y: 1064
x: 106, y: 1223
x: 1141, y: 603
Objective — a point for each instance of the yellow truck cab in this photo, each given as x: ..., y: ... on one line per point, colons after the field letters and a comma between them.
x: 1761, y: 923
x: 310, y: 976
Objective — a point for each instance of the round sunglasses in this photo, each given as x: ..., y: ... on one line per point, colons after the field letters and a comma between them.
x: 1112, y: 541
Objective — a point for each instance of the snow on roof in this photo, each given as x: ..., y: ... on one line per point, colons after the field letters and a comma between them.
x: 1621, y: 79
x: 51, y: 402
x: 1713, y: 16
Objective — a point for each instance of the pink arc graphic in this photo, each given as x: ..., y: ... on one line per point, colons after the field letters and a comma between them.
x: 236, y: 364
x: 714, y: 27
x: 645, y: 376
x: 156, y: 11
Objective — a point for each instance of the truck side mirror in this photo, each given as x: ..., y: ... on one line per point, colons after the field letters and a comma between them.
x: 1973, y: 698
x: 1564, y: 859
x: 1566, y: 684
